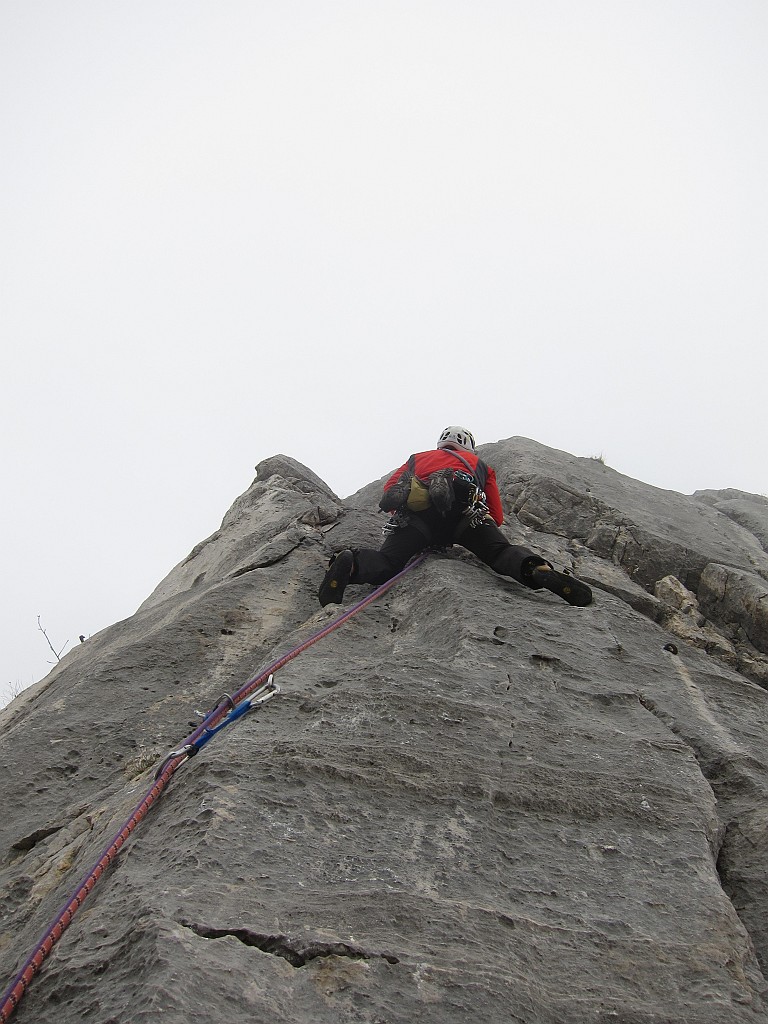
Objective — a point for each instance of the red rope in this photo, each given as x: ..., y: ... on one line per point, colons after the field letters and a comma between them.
x: 13, y: 994
x: 64, y: 918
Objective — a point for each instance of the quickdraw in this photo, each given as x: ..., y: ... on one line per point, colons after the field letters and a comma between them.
x: 264, y: 693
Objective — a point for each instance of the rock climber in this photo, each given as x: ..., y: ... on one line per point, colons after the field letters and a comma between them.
x: 439, y: 498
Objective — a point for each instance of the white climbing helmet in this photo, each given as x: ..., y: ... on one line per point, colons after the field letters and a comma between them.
x: 456, y: 437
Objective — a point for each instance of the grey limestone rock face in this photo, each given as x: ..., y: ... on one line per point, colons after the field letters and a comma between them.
x: 749, y: 510
x: 470, y: 803
x: 739, y: 599
x: 643, y: 529
x: 684, y: 618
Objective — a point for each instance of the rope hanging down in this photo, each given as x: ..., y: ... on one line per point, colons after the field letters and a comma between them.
x: 259, y: 689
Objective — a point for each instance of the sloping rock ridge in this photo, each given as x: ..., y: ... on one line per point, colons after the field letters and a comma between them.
x: 470, y: 803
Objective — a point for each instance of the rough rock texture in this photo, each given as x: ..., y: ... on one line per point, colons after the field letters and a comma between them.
x: 749, y: 510
x: 470, y: 803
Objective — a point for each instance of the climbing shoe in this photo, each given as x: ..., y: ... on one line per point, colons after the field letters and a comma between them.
x: 441, y: 490
x: 336, y: 579
x: 568, y: 587
x: 397, y: 495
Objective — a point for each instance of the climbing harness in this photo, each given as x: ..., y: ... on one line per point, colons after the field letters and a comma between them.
x: 475, y: 511
x: 251, y: 696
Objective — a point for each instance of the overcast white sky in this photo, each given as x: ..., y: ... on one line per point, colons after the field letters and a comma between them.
x: 231, y: 228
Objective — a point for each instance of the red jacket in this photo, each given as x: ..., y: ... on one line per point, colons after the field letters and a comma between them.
x: 445, y: 458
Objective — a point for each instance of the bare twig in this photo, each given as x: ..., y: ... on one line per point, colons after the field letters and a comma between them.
x: 57, y: 654
x: 12, y: 691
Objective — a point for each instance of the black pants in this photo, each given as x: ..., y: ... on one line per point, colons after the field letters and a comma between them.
x: 426, y: 529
